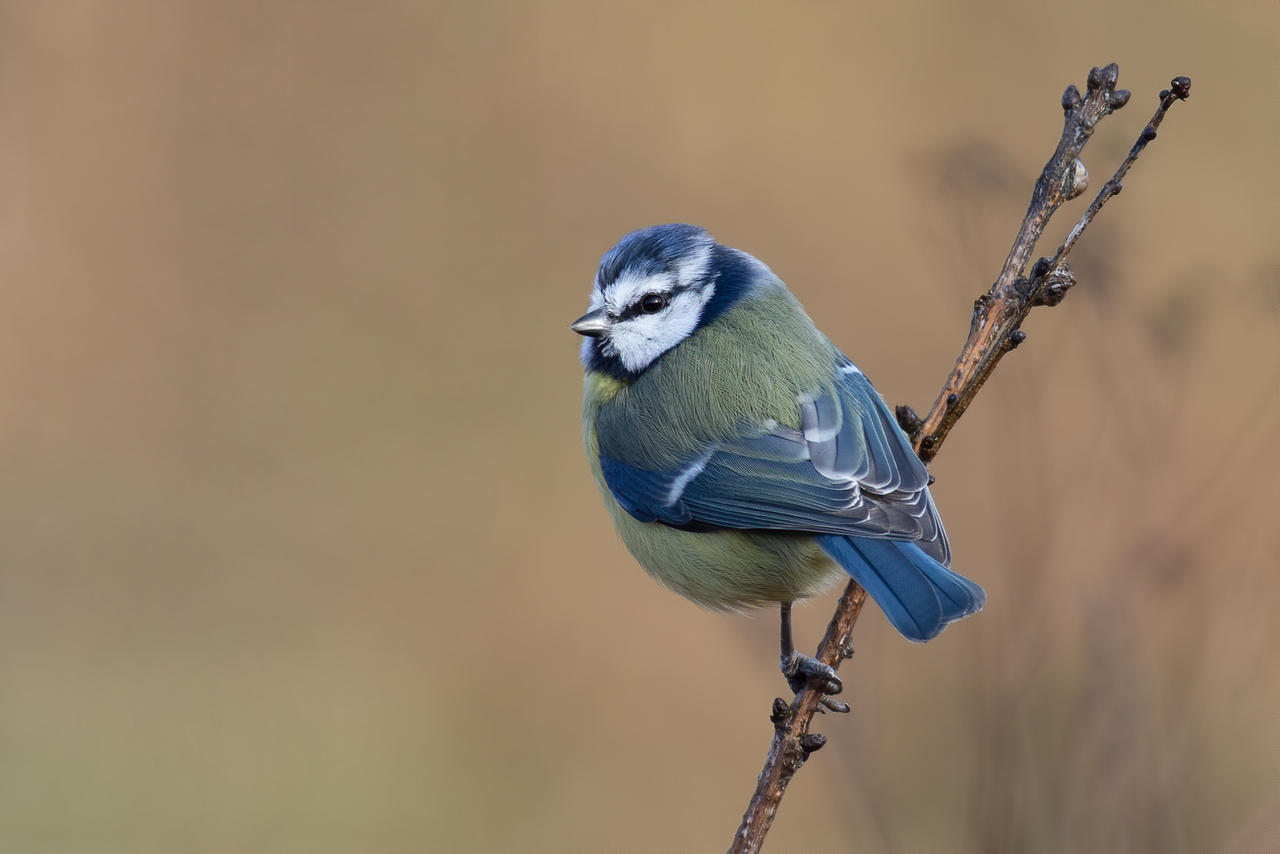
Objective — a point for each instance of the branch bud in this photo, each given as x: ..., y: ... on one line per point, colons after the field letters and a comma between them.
x: 1070, y: 98
x: 1077, y: 180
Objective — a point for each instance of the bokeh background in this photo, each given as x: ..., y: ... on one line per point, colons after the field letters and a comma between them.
x: 298, y: 550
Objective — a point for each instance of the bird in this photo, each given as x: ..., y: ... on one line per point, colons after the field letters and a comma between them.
x: 744, y: 460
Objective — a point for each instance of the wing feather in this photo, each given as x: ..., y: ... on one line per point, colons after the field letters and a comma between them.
x: 847, y: 470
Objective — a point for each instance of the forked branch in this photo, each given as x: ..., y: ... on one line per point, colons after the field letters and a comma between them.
x: 994, y: 330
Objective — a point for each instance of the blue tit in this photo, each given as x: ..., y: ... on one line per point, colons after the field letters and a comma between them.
x: 744, y: 459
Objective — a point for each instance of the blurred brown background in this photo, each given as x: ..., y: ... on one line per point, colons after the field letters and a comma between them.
x: 298, y: 550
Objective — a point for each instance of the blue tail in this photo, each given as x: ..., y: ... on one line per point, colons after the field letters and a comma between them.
x: 917, y: 594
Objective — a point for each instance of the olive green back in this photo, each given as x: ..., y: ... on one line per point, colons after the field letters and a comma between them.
x: 749, y: 366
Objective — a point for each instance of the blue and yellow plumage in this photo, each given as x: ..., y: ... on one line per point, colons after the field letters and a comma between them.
x: 743, y: 458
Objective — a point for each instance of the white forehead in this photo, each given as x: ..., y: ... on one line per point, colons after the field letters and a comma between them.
x: 632, y: 285
x: 629, y: 287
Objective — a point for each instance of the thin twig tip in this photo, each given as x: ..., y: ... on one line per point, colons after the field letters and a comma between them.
x: 1104, y: 77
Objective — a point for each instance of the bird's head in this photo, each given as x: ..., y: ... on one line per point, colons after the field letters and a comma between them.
x: 653, y: 290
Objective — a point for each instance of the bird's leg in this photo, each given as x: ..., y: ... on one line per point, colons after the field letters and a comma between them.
x: 803, y: 671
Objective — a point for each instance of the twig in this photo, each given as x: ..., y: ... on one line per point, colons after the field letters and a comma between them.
x: 792, y: 741
x: 994, y: 331
x: 1179, y: 90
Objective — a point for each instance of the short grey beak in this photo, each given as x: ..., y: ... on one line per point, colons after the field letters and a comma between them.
x: 593, y: 324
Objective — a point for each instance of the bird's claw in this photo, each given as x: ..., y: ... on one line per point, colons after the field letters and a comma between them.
x: 803, y: 671
x: 826, y: 703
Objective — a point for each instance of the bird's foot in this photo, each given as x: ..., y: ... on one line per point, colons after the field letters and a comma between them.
x: 803, y: 671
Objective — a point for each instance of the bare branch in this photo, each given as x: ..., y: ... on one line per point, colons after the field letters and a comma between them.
x: 999, y: 312
x: 994, y: 331
x: 1179, y: 90
x: 792, y: 741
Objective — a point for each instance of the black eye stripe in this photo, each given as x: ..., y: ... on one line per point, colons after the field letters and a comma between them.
x: 636, y: 308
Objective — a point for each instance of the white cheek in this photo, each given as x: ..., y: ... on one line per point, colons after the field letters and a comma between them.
x: 642, y: 339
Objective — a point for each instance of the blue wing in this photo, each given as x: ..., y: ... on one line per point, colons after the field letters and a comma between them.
x: 848, y: 470
x: 847, y: 475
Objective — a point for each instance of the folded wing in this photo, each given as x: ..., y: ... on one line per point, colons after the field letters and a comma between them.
x: 847, y: 470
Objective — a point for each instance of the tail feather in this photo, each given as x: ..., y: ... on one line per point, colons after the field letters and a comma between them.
x: 918, y: 594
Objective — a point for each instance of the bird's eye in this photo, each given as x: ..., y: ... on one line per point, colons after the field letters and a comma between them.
x: 653, y: 303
